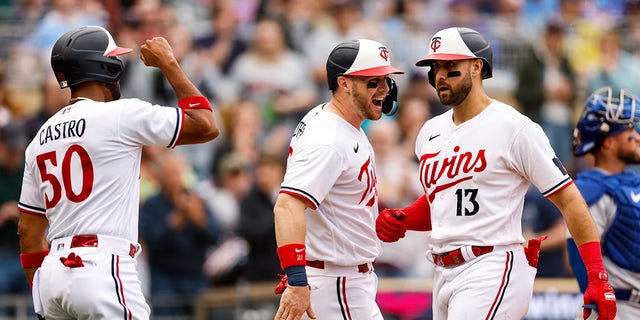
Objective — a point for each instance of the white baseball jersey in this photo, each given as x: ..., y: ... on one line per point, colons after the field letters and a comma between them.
x: 476, y: 174
x: 331, y: 167
x: 83, y: 168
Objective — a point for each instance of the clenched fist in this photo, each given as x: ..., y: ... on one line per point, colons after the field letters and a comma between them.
x: 156, y: 52
x: 389, y: 225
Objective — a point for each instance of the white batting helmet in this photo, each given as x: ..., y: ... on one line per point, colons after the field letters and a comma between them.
x: 458, y: 43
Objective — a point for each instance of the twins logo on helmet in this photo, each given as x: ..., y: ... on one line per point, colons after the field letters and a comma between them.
x: 384, y: 53
x: 435, y: 43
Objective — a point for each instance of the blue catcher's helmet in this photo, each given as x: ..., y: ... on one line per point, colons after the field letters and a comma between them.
x: 604, y: 115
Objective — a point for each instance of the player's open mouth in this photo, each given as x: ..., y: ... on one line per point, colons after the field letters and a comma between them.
x: 443, y: 88
x: 378, y: 102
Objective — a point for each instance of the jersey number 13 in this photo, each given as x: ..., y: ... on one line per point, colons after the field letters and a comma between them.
x: 466, y: 198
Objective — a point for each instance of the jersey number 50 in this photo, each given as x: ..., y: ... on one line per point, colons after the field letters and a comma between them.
x: 87, y: 175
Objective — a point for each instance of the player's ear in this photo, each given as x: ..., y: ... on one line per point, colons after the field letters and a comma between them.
x: 477, y: 66
x: 344, y: 83
x: 607, y: 143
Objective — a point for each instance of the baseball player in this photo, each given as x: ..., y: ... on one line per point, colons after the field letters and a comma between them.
x: 477, y: 161
x: 607, y: 131
x: 80, y: 193
x: 326, y: 209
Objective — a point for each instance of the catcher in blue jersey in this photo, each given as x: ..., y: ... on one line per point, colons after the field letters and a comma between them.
x: 607, y: 130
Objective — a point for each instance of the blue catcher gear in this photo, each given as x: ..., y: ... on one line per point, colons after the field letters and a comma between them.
x: 604, y: 115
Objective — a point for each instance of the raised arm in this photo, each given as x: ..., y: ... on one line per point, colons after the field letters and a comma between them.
x: 199, y: 123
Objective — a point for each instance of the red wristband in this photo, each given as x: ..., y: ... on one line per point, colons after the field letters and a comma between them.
x: 195, y: 102
x: 592, y: 257
x: 292, y: 254
x: 33, y: 260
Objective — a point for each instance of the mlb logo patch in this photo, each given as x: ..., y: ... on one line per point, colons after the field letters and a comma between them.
x: 60, y: 246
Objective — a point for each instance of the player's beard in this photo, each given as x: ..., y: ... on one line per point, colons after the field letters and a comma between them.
x: 363, y: 104
x: 629, y: 156
x: 455, y: 96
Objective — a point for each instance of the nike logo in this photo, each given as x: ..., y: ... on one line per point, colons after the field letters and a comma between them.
x: 433, y: 137
x: 355, y: 149
x: 191, y: 105
x: 635, y: 197
x: 298, y: 250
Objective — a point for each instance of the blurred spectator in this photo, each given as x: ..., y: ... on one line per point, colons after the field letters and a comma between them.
x: 230, y: 181
x: 413, y: 112
x: 395, y: 171
x: 397, y: 187
x: 581, y: 36
x: 463, y: 13
x: 511, y: 35
x: 177, y: 230
x: 5, y: 113
x: 62, y: 16
x: 408, y: 19
x: 540, y: 217
x: 13, y: 141
x: 243, y: 131
x: 222, y: 44
x: 297, y: 18
x: 419, y: 87
x: 618, y: 69
x: 17, y: 21
x: 629, y: 28
x: 536, y: 13
x: 53, y: 100
x: 546, y: 89
x: 274, y: 77
x: 23, y: 79
x: 343, y: 21
x: 256, y: 220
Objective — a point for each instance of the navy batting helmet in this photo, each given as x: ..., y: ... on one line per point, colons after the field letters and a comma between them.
x: 458, y: 43
x: 604, y: 115
x: 87, y: 54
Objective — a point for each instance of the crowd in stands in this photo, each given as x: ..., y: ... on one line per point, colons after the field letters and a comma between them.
x: 262, y: 64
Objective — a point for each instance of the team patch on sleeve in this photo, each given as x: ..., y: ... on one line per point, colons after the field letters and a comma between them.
x: 560, y: 166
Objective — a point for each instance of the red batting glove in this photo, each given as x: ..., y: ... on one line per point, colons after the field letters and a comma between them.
x: 389, y: 225
x: 279, y: 289
x: 600, y: 293
x: 532, y: 250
